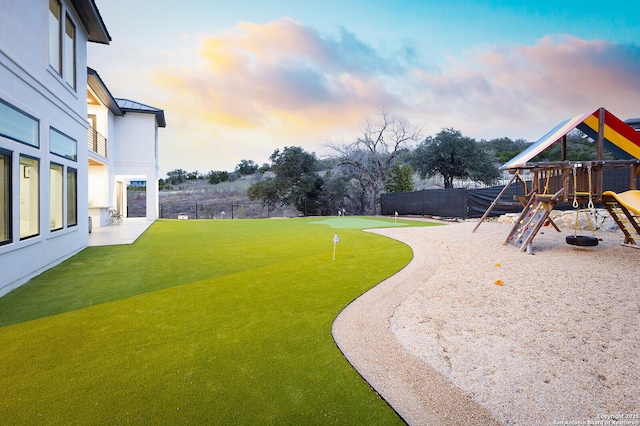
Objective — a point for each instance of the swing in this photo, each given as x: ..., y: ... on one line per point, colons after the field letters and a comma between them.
x: 582, y: 240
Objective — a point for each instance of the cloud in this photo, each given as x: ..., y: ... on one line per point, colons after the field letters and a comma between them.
x: 253, y: 73
x: 249, y: 90
x: 499, y: 90
x: 256, y: 88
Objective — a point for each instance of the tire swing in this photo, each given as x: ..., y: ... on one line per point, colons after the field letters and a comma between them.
x: 582, y: 240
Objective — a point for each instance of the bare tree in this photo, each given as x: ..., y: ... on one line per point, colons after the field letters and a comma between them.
x: 370, y: 157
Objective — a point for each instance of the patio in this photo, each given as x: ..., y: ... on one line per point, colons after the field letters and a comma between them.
x: 126, y: 232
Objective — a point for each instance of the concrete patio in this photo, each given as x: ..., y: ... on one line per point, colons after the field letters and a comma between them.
x: 126, y: 232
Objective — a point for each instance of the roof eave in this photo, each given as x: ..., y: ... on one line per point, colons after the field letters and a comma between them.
x: 100, y: 89
x: 143, y: 109
x: 90, y: 15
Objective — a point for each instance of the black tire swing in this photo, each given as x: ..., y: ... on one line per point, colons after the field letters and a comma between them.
x: 582, y: 240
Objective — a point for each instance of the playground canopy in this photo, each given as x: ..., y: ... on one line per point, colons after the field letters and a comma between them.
x: 618, y: 137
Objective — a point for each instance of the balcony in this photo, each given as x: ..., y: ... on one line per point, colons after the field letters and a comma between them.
x: 97, y: 142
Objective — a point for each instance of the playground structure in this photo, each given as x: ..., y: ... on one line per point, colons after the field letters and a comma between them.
x: 580, y: 182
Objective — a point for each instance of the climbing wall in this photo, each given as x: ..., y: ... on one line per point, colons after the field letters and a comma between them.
x: 533, y: 216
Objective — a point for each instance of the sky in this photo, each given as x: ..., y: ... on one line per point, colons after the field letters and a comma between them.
x: 240, y: 79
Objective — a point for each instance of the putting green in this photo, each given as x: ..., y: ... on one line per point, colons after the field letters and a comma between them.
x: 199, y: 321
x: 356, y: 223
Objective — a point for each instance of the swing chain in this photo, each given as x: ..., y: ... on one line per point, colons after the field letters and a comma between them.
x: 590, y: 205
x: 575, y: 186
x: 576, y: 205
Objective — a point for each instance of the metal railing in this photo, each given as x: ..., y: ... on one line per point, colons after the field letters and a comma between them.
x: 97, y: 142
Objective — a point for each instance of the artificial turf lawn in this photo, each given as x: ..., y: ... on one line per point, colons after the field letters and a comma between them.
x: 205, y: 322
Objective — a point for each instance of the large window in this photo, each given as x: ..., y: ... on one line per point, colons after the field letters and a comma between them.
x: 5, y: 197
x: 72, y: 197
x: 29, y: 197
x: 56, y: 196
x: 19, y: 126
x: 62, y: 145
x: 55, y: 26
x: 62, y: 43
x: 70, y: 52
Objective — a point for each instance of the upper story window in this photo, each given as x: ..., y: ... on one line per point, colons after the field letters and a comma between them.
x: 55, y: 31
x: 70, y: 52
x: 62, y: 43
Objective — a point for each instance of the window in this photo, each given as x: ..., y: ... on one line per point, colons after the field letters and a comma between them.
x: 56, y: 196
x: 62, y: 145
x: 62, y: 43
x: 55, y: 45
x: 70, y: 52
x: 19, y: 126
x: 72, y: 197
x: 29, y: 197
x: 5, y: 197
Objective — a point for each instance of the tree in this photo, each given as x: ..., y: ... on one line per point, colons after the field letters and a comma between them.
x: 194, y: 175
x: 504, y: 149
x: 265, y: 191
x: 215, y: 177
x: 176, y: 176
x: 372, y: 155
x: 264, y: 168
x: 295, y: 182
x: 400, y: 179
x: 246, y: 167
x: 451, y: 155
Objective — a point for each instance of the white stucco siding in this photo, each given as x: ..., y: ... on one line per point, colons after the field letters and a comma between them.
x: 136, y: 154
x: 15, y: 35
x: 136, y: 134
x: 29, y: 49
x: 28, y: 84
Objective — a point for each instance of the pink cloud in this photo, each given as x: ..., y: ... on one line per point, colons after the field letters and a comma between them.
x: 255, y: 88
x: 256, y: 72
x: 528, y: 88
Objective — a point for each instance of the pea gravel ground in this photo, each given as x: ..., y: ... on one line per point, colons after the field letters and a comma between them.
x: 474, y: 332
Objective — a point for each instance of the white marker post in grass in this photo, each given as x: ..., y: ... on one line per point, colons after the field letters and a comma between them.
x: 395, y: 220
x: 335, y: 241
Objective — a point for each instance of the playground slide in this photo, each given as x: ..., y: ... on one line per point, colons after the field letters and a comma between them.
x: 629, y: 199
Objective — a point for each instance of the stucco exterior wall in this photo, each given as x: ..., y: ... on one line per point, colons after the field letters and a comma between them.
x: 27, y: 83
x: 137, y: 154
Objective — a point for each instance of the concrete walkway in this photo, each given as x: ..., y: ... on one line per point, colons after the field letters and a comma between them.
x: 126, y: 232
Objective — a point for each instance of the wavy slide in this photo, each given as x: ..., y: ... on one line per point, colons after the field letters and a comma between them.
x: 629, y: 199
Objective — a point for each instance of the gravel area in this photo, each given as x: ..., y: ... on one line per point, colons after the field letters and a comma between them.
x: 475, y: 332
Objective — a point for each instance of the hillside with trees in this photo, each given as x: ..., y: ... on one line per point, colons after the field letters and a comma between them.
x: 391, y: 155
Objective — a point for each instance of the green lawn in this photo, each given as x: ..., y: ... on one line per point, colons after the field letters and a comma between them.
x: 200, y: 322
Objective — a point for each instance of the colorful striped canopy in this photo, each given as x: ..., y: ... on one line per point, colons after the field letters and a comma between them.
x: 619, y: 138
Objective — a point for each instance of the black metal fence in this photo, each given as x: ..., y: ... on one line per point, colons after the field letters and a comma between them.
x: 472, y: 203
x: 205, y: 209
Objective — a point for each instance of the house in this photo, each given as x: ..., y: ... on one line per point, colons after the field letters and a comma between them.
x: 123, y: 148
x: 48, y: 172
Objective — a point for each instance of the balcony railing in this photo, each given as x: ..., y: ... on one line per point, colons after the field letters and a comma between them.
x: 97, y: 142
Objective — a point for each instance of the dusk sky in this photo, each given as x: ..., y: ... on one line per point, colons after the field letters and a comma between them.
x: 239, y: 79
